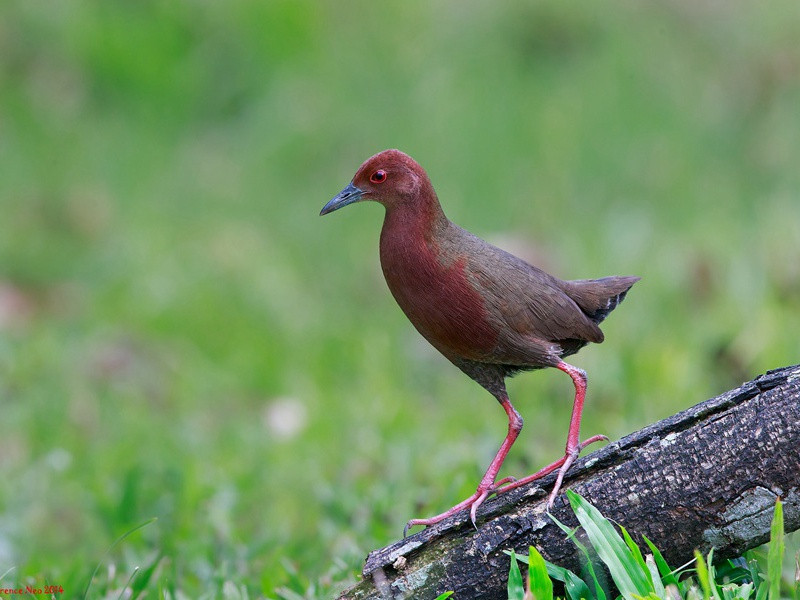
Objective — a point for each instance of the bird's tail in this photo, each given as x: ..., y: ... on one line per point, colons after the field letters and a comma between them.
x: 598, y: 297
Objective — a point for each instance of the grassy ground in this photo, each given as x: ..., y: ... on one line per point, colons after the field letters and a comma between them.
x: 182, y: 337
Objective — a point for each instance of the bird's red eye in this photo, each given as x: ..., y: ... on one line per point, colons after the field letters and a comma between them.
x: 378, y: 176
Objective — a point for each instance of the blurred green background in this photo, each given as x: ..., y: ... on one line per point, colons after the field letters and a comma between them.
x: 182, y: 337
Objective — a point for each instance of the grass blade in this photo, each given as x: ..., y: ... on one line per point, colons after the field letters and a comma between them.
x: 128, y: 583
x: 624, y: 570
x: 712, y: 576
x: 598, y: 589
x: 539, y: 584
x: 667, y: 574
x: 702, y: 575
x: 139, y: 586
x: 658, y: 586
x: 763, y: 589
x: 636, y: 553
x: 515, y: 589
x: 576, y: 588
x: 775, y: 553
x: 110, y: 548
x: 753, y: 569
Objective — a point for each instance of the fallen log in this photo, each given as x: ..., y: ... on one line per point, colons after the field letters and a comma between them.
x: 706, y: 477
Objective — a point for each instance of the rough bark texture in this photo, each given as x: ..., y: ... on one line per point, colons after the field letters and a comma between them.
x: 705, y: 477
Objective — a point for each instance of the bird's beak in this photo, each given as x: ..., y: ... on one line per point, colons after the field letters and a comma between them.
x: 347, y: 196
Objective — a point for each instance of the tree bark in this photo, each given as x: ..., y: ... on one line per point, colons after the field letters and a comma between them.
x: 706, y: 477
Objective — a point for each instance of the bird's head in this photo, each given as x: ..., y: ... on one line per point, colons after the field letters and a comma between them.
x: 390, y: 177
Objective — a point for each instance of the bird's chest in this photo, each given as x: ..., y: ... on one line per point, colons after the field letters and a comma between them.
x: 435, y: 294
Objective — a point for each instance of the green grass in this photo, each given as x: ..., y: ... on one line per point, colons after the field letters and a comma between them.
x: 637, y: 577
x: 182, y: 338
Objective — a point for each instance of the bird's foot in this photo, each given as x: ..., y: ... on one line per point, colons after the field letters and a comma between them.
x: 507, y: 484
x: 473, y: 502
x: 563, y: 464
x: 570, y: 457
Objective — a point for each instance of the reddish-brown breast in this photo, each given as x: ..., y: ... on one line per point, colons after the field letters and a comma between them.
x: 431, y: 288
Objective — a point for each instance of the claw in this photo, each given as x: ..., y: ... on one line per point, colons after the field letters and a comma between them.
x: 473, y: 510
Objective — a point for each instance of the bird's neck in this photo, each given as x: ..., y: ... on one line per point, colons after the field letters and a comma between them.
x: 414, y: 222
x: 410, y: 247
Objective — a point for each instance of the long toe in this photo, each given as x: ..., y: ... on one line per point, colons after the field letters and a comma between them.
x: 438, y: 518
x: 502, y: 482
x: 588, y: 441
x: 473, y: 502
x: 569, y: 458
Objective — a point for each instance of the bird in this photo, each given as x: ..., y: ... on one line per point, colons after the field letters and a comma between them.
x: 487, y: 311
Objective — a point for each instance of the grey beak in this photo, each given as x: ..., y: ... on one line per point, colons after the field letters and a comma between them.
x: 347, y: 196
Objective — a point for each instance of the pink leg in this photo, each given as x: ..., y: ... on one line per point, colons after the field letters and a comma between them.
x: 487, y: 484
x: 574, y: 446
